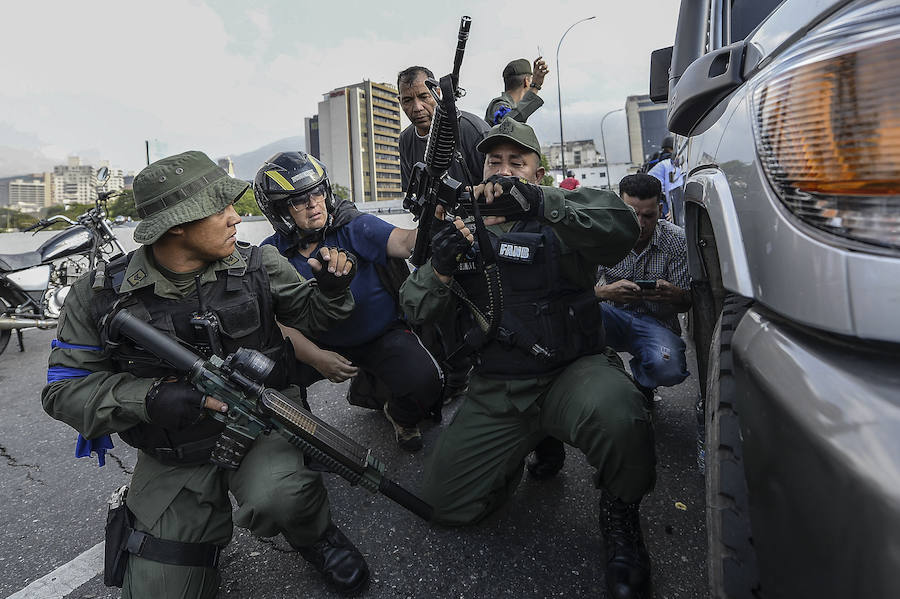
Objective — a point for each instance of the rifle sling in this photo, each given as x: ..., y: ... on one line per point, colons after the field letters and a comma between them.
x: 488, y: 258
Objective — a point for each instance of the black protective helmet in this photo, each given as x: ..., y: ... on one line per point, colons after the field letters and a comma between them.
x: 284, y: 176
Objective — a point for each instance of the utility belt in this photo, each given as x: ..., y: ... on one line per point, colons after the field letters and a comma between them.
x: 123, y: 540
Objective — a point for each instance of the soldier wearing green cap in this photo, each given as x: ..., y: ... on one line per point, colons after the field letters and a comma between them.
x: 181, y: 513
x: 545, y: 374
x: 520, y: 97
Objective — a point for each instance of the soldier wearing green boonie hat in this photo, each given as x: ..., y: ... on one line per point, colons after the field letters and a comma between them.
x: 181, y: 189
x: 520, y: 98
x: 544, y: 376
x: 182, y: 514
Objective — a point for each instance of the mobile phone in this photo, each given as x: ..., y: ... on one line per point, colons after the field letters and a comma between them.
x: 646, y: 284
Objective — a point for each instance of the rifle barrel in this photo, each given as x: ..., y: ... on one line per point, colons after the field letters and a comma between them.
x: 462, y: 38
x: 156, y: 342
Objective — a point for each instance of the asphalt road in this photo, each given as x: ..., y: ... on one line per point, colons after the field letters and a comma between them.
x: 544, y: 543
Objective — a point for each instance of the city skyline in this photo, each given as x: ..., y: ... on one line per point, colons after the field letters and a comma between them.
x: 227, y: 78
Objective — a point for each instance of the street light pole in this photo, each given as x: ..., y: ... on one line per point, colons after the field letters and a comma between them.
x: 562, y: 143
x: 603, y: 142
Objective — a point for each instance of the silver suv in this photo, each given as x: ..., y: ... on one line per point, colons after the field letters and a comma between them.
x: 788, y: 123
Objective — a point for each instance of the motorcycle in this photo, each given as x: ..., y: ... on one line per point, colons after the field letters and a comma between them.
x: 34, y: 285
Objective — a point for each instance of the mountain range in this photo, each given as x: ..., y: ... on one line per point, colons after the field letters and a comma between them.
x: 246, y: 165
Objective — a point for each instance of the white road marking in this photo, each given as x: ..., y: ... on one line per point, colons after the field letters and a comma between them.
x: 66, y: 578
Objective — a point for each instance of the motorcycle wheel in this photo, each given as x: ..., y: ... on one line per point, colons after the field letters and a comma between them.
x: 6, y: 306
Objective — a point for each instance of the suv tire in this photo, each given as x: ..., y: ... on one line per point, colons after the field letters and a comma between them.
x: 732, y: 565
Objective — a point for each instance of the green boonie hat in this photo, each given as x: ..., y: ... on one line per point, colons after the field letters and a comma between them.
x: 512, y: 130
x: 519, y: 66
x: 180, y: 189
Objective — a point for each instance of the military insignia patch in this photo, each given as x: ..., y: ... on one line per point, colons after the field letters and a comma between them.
x: 230, y: 260
x: 138, y: 276
x: 506, y: 127
x: 518, y: 250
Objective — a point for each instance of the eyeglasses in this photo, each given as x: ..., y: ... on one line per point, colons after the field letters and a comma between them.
x: 307, y: 198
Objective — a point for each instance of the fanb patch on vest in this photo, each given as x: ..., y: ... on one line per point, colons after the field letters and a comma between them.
x: 516, y: 251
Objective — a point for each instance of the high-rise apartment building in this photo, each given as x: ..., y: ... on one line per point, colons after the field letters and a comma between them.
x: 311, y: 128
x: 73, y: 182
x: 76, y: 183
x: 358, y: 134
x: 227, y: 165
x: 646, y: 126
x: 30, y: 193
x: 579, y: 153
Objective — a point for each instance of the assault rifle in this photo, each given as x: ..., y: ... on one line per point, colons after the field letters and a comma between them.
x: 429, y: 183
x: 254, y: 409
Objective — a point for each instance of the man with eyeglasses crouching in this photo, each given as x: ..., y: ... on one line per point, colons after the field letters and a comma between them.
x: 391, y: 368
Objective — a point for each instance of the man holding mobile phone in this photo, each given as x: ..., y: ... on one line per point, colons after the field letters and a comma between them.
x: 642, y: 295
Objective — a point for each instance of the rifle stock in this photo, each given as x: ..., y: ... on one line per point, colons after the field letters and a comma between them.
x: 254, y: 409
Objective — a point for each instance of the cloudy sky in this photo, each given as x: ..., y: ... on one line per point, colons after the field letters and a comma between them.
x: 98, y: 77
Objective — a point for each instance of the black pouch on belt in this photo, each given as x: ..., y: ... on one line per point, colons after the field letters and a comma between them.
x: 119, y: 523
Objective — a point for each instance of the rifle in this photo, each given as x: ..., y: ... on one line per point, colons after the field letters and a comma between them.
x: 429, y: 183
x: 254, y: 409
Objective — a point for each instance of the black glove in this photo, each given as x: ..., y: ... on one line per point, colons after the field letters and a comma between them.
x: 448, y: 248
x: 174, y: 404
x: 520, y: 199
x: 329, y: 283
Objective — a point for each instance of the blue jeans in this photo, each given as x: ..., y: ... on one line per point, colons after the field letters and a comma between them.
x: 658, y: 353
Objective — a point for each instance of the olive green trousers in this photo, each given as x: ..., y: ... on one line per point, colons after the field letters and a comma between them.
x: 592, y: 405
x: 275, y: 492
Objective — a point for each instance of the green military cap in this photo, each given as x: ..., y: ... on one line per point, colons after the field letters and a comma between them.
x: 519, y: 66
x: 512, y: 130
x: 180, y: 189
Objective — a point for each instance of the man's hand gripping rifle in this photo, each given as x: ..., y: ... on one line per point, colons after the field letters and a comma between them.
x: 254, y: 409
x: 429, y: 184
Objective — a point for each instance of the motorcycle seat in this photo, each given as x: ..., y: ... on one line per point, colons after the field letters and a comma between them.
x: 13, y: 262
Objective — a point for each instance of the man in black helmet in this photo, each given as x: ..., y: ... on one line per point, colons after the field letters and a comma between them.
x: 181, y: 514
x: 293, y: 191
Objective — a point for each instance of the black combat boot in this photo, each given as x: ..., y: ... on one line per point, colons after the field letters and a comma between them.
x: 627, y: 561
x: 339, y: 562
x: 548, y: 459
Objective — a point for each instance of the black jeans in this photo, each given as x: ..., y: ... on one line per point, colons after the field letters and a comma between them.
x: 398, y: 359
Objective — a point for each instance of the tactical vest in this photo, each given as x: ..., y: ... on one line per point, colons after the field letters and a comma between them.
x: 242, y: 302
x: 547, y: 321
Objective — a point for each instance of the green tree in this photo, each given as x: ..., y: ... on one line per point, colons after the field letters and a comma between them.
x: 548, y: 179
x: 340, y: 191
x: 13, y: 219
x: 73, y: 211
x: 246, y: 204
x: 122, y: 204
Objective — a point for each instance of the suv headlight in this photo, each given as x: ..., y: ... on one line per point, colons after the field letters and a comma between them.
x: 827, y: 124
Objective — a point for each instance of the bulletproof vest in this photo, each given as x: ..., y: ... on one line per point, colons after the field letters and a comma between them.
x: 241, y: 301
x: 547, y: 321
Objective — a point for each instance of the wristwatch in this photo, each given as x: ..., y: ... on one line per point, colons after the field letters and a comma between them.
x: 535, y: 85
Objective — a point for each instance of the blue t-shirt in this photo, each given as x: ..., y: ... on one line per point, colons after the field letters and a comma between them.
x: 366, y: 236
